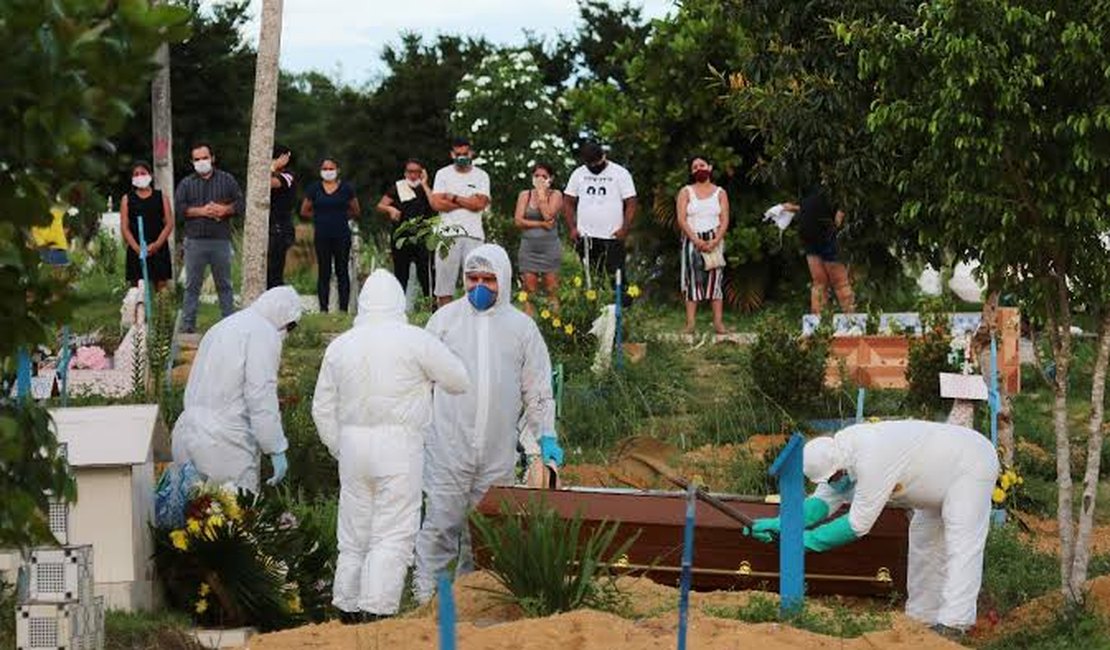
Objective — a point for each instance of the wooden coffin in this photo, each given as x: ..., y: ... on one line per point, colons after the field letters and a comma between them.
x: 723, y: 558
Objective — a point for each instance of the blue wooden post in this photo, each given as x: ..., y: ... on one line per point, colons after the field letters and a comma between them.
x: 994, y: 398
x: 619, y: 301
x: 23, y: 374
x: 792, y: 490
x: 146, y: 276
x: 687, y: 564
x: 446, y: 613
x: 63, y: 365
x: 860, y: 396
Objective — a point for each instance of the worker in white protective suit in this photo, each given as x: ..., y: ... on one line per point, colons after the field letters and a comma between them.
x: 945, y: 472
x: 473, y: 444
x: 231, y: 413
x: 373, y: 408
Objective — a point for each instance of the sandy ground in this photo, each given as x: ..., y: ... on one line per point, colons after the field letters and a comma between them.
x: 1041, y: 611
x: 1045, y: 537
x: 651, y: 623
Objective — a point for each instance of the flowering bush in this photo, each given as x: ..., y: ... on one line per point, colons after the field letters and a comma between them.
x: 237, y: 561
x: 1007, y: 487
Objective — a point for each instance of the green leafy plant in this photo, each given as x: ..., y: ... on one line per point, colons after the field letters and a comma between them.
x: 548, y: 564
x: 929, y: 355
x: 788, y: 367
x: 838, y: 621
x: 429, y: 233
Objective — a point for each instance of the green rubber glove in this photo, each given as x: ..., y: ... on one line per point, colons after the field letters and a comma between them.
x: 769, y: 529
x: 814, y: 510
x: 826, y: 537
x: 765, y: 530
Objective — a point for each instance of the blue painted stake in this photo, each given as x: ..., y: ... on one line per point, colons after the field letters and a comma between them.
x: 23, y: 374
x: 146, y: 276
x: 687, y: 564
x: 792, y: 490
x: 860, y: 396
x: 446, y: 613
x: 619, y: 306
x: 995, y: 399
x: 63, y: 365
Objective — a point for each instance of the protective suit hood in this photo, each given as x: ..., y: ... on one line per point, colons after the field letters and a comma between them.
x: 491, y: 257
x: 381, y: 299
x: 280, y: 305
x: 821, y: 459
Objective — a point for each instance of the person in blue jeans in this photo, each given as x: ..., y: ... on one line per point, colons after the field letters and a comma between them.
x: 331, y: 203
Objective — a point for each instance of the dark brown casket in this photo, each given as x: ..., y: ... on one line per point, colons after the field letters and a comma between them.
x: 723, y: 557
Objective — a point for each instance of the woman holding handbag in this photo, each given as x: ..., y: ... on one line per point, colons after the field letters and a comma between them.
x: 702, y: 210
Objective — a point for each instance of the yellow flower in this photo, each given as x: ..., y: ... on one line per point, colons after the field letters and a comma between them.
x: 545, y: 314
x: 1020, y: 480
x: 999, y: 495
x: 204, y: 589
x: 578, y: 280
x: 1005, y: 481
x: 522, y: 296
x: 194, y: 526
x: 569, y: 329
x: 591, y: 294
x: 294, y: 602
x: 215, y: 521
x: 201, y: 606
x: 557, y: 323
x: 180, y: 540
x: 234, y: 511
x: 634, y: 291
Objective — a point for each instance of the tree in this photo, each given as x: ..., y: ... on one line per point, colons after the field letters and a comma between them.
x: 994, y: 118
x: 263, y: 115
x: 72, y: 70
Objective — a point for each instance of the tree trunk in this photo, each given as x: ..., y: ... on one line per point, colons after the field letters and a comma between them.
x: 1058, y: 308
x: 161, y: 125
x: 981, y: 349
x: 1082, y: 554
x: 257, y: 228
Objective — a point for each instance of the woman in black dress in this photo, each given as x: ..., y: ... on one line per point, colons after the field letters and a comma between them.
x: 152, y: 207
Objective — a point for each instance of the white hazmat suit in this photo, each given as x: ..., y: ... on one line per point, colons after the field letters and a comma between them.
x: 946, y: 473
x: 231, y: 413
x: 474, y: 435
x: 373, y: 408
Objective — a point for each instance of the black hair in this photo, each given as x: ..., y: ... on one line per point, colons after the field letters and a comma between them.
x: 460, y: 141
x: 690, y: 161
x: 544, y: 166
x: 413, y: 161
x: 280, y: 150
x: 201, y: 143
x: 324, y: 159
x: 144, y: 164
x: 590, y: 151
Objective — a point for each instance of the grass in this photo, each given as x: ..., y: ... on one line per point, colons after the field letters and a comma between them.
x: 147, y: 631
x: 1070, y: 629
x: 838, y: 620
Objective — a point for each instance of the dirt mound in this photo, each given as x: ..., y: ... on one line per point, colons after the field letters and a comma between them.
x: 486, y: 623
x: 1041, y: 611
x: 1044, y: 535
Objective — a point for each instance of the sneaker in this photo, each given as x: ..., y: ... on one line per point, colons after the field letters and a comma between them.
x: 950, y: 633
x: 350, y: 618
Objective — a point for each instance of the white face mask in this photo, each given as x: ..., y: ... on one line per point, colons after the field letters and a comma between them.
x: 203, y: 167
x: 413, y: 183
x: 329, y: 174
x: 141, y: 181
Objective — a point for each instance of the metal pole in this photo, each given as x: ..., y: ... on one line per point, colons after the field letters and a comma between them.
x: 446, y: 613
x: 687, y: 564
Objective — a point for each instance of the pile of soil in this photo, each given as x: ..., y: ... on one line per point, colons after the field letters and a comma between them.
x: 487, y: 624
x: 1044, y: 535
x: 1041, y: 611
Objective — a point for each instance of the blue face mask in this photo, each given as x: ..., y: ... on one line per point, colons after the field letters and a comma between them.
x: 843, y: 484
x: 481, y: 297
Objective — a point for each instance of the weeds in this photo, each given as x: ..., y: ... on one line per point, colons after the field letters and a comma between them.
x: 147, y: 631
x: 543, y: 563
x: 1071, y: 628
x: 839, y: 621
x: 1014, y: 573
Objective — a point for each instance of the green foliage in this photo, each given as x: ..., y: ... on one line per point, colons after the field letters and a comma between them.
x: 1013, y: 573
x: 30, y: 463
x: 839, y: 621
x: 147, y: 631
x: 788, y: 367
x: 548, y: 564
x: 928, y: 357
x: 566, y: 327
x: 1071, y: 627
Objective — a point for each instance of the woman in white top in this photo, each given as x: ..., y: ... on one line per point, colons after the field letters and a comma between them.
x: 702, y: 209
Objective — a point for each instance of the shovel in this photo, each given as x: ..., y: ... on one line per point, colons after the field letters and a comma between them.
x: 664, y: 470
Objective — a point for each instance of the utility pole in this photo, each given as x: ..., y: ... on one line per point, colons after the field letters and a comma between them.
x: 161, y: 124
x: 263, y: 116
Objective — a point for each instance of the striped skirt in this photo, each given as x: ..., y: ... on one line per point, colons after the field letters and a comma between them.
x: 697, y: 283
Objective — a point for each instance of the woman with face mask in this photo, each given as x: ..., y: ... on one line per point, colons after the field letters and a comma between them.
x: 151, y: 207
x: 331, y: 204
x: 537, y: 213
x: 702, y: 210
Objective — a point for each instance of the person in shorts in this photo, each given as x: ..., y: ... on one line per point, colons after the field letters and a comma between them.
x: 460, y: 193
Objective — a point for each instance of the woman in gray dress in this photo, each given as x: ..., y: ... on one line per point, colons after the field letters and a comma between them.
x: 541, y: 253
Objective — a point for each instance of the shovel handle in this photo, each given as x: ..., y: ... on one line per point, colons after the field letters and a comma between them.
x: 709, y: 499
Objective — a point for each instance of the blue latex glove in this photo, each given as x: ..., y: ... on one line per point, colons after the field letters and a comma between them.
x: 281, y: 466
x: 550, y: 450
x: 768, y: 530
x: 837, y: 532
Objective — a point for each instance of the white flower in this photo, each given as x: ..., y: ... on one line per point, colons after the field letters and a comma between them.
x: 482, y: 81
x: 463, y: 94
x: 536, y: 145
x: 505, y: 137
x: 478, y: 124
x: 530, y: 104
x: 479, y: 161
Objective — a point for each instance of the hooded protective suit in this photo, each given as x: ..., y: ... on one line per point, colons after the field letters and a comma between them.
x: 474, y: 435
x: 372, y: 408
x: 231, y: 411
x: 946, y: 473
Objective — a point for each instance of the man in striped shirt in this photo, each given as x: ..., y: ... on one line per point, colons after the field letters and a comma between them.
x: 207, y: 199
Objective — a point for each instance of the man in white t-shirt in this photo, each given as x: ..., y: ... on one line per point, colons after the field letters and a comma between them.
x: 599, y: 204
x: 460, y: 193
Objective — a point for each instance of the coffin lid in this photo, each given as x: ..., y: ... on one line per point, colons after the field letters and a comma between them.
x: 106, y: 436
